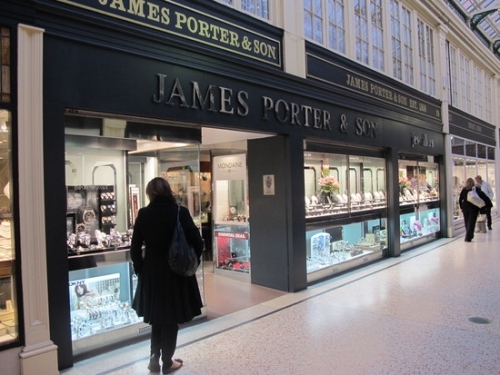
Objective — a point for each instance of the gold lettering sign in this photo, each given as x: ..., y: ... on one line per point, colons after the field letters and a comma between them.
x: 172, y: 18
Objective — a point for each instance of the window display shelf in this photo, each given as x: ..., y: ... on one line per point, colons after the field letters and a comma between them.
x: 419, y: 226
x: 336, y: 257
x: 101, y: 299
x: 329, y: 245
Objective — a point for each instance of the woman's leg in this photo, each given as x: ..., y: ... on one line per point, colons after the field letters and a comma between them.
x: 168, y: 343
x: 154, y: 360
x: 466, y: 224
x: 471, y: 224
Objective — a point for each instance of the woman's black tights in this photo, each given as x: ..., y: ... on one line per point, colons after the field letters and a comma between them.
x: 164, y: 341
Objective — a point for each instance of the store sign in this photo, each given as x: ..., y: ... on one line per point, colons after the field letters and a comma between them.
x: 421, y: 140
x: 339, y: 75
x: 235, y: 235
x: 173, y: 92
x: 230, y: 167
x: 172, y: 18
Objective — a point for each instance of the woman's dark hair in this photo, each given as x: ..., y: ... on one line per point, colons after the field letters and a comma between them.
x: 84, y: 290
x: 159, y: 187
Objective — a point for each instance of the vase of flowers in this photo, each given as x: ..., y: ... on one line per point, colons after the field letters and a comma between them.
x: 328, y: 186
x: 404, y: 183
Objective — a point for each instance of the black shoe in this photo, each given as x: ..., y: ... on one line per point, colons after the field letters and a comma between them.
x: 154, y: 363
x: 489, y: 227
x: 466, y: 240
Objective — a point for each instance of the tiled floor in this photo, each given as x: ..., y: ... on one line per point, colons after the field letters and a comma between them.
x: 406, y: 315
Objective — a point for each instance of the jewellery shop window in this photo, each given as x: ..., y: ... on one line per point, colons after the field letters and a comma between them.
x: 8, y: 303
x: 340, y: 184
x: 343, y: 245
x: 345, y: 210
x: 419, y: 201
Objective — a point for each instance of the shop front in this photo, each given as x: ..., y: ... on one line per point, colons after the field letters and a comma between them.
x: 290, y: 180
x: 473, y: 144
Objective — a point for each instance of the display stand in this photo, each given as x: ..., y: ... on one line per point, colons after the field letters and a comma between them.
x: 231, y: 230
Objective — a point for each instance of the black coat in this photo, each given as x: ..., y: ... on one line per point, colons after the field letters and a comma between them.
x: 162, y: 296
x: 466, y: 205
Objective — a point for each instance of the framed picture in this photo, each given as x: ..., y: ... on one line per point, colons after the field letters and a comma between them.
x: 135, y: 203
x: 70, y: 223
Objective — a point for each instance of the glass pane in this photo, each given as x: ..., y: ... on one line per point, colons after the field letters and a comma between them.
x: 470, y: 149
x: 418, y: 182
x: 5, y: 64
x: 8, y: 303
x: 457, y: 146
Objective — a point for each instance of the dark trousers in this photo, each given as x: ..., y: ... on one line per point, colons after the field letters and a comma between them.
x: 487, y: 211
x: 164, y: 340
x: 470, y: 218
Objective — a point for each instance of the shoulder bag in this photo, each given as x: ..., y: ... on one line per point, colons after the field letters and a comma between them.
x: 182, y: 258
x: 473, y: 197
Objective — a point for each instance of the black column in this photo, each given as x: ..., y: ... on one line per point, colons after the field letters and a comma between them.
x: 393, y: 235
x: 277, y: 222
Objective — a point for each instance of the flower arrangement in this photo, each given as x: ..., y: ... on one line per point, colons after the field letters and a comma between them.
x: 403, y: 181
x: 329, y: 184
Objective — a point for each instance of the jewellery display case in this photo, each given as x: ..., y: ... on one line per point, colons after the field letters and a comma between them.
x: 419, y: 202
x: 230, y: 214
x: 340, y: 184
x: 107, y: 208
x: 345, y: 211
x: 100, y: 299
x: 335, y: 248
x: 420, y: 224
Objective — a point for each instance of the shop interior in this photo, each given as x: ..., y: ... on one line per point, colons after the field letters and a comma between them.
x: 109, y: 162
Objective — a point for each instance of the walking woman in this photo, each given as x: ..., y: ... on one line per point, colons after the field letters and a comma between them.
x: 470, y: 210
x: 163, y: 298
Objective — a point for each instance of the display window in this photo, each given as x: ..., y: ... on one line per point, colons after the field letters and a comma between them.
x: 345, y: 205
x: 469, y: 160
x: 419, y: 202
x: 8, y: 302
x: 231, y: 213
x: 101, y: 299
x: 340, y: 184
x: 418, y: 182
x: 106, y: 178
x: 331, y: 245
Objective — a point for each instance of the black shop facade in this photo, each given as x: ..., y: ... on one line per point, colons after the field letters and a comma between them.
x: 291, y: 180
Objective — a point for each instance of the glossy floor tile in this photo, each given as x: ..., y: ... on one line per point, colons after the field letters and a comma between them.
x: 406, y: 315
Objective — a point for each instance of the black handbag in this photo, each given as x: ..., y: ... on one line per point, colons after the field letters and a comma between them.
x: 182, y: 258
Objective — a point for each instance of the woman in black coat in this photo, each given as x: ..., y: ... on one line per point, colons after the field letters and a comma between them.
x: 163, y: 298
x: 470, y: 210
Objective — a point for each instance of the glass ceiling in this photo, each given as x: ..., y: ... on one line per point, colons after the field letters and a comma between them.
x: 490, y: 24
